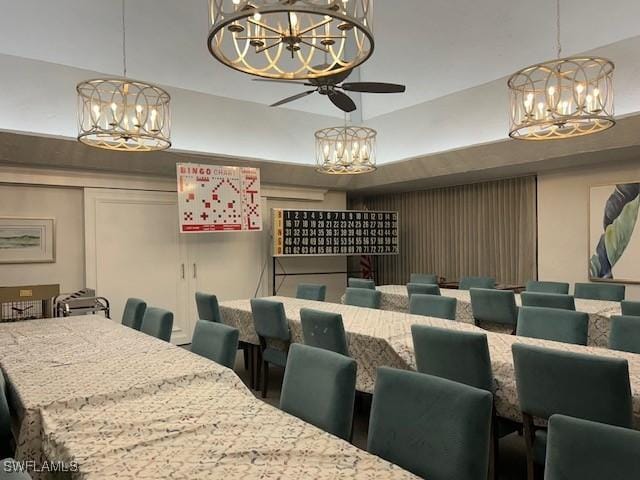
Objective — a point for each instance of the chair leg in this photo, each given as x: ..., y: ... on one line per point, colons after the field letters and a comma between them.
x: 494, y: 449
x: 257, y: 364
x: 527, y: 422
x: 245, y: 354
x: 249, y: 352
x: 265, y: 381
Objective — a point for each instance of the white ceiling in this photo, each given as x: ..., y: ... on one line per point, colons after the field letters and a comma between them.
x: 435, y: 47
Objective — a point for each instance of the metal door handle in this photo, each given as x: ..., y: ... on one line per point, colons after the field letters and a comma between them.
x: 182, y: 270
x: 195, y: 271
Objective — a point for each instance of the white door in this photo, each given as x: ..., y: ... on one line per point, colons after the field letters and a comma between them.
x: 134, y: 249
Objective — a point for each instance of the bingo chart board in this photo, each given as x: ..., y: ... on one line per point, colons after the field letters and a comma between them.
x: 212, y: 198
x: 327, y: 233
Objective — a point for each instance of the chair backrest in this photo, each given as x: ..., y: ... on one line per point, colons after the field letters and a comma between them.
x: 319, y: 387
x: 361, y: 283
x: 433, y: 306
x: 579, y: 385
x: 547, y: 287
x: 324, y: 330
x: 476, y: 282
x: 425, y: 278
x: 579, y: 450
x: 216, y: 341
x: 630, y: 308
x: 362, y: 297
x: 625, y: 333
x: 158, y: 323
x: 495, y: 306
x: 423, y: 289
x: 548, y: 300
x: 430, y: 426
x: 436, y: 347
x: 600, y: 291
x: 269, y: 319
x: 553, y: 324
x: 6, y: 437
x: 311, y: 291
x: 133, y: 312
x: 208, y: 308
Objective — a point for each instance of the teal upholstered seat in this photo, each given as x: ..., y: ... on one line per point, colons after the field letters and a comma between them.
x: 133, y: 312
x: 324, y: 330
x: 548, y: 300
x: 423, y: 289
x: 580, y: 385
x: 494, y: 306
x: 600, y: 291
x: 216, y: 341
x: 583, y: 450
x: 362, y: 297
x: 208, y: 308
x: 319, y: 387
x: 6, y: 437
x: 361, y: 283
x: 425, y: 278
x: 10, y: 470
x: 625, y: 333
x: 630, y: 308
x: 430, y: 426
x: 158, y: 323
x: 310, y: 291
x: 547, y: 287
x: 433, y: 306
x: 553, y: 324
x: 476, y: 282
x: 272, y: 327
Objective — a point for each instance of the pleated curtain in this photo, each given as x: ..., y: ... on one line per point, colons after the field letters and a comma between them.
x: 486, y: 229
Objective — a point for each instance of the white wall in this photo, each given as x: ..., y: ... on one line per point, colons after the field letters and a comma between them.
x: 563, y: 223
x: 66, y: 206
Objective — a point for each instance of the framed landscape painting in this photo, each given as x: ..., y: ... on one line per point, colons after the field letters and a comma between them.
x: 27, y: 240
x: 614, y: 233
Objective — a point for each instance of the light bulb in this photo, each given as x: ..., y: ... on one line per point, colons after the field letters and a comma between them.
x: 114, y: 107
x: 294, y: 20
x: 257, y: 16
x: 139, y: 108
x: 579, y: 88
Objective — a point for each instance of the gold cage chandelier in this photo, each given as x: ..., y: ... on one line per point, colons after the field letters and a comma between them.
x: 291, y: 39
x: 123, y: 114
x: 562, y: 98
x: 346, y: 150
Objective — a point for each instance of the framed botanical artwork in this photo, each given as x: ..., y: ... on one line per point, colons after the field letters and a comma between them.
x: 27, y: 240
x: 614, y: 233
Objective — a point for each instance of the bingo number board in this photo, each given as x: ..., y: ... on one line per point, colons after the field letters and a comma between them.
x: 325, y: 233
x: 218, y: 199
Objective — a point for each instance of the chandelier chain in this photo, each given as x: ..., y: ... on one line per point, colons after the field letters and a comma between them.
x: 124, y: 42
x: 558, y: 42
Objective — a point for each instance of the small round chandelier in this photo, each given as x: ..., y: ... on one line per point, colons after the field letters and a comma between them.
x: 291, y: 39
x: 346, y: 150
x: 562, y: 98
x: 123, y: 114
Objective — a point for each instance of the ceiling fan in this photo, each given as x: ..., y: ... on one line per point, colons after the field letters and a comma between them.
x: 332, y: 87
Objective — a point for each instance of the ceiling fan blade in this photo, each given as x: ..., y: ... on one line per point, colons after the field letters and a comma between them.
x: 342, y: 101
x: 288, y: 82
x: 373, y: 87
x: 292, y: 98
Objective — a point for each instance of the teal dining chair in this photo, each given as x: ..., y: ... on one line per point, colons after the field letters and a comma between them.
x: 625, y: 333
x: 580, y: 385
x: 548, y: 300
x: 158, y: 323
x: 361, y: 283
x: 6, y: 437
x: 216, y: 341
x: 424, y: 278
x: 553, y: 324
x: 363, y: 297
x: 561, y: 288
x: 494, y: 307
x: 12, y: 470
x: 600, y: 291
x: 324, y: 330
x: 630, y: 308
x: 208, y: 307
x: 272, y: 327
x: 311, y: 291
x: 430, y: 426
x: 583, y: 450
x: 433, y: 306
x: 319, y: 387
x: 467, y: 283
x: 423, y: 289
x: 133, y: 312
